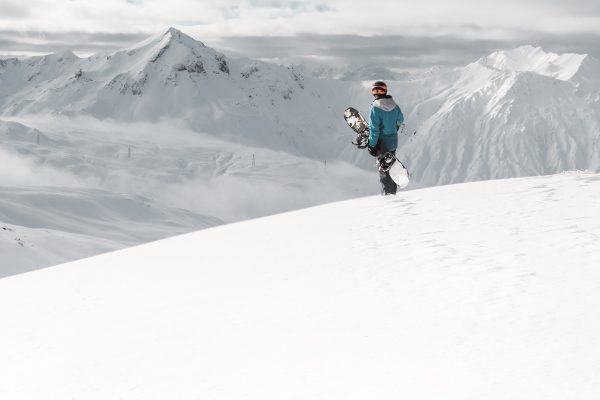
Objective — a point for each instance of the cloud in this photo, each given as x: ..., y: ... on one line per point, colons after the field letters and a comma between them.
x: 293, y: 4
x: 291, y: 17
x: 586, y: 8
x: 401, y: 33
x: 21, y: 170
x: 13, y: 9
x: 167, y: 166
x: 49, y: 42
x: 323, y: 8
x: 395, y: 51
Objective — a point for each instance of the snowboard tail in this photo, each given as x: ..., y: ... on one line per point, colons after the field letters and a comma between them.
x: 399, y: 173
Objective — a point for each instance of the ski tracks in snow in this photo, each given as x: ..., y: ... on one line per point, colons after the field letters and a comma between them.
x: 496, y: 230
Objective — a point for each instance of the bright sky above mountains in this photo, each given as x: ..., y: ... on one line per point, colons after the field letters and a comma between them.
x: 410, y: 33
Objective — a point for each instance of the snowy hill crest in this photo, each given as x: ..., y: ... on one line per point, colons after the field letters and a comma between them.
x: 493, y: 295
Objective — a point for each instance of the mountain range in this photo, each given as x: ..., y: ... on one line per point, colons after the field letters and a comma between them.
x: 513, y: 113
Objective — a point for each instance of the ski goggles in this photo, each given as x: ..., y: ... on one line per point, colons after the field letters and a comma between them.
x: 378, y: 90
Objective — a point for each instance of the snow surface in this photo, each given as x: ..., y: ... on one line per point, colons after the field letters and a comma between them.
x: 486, y: 290
x: 44, y: 226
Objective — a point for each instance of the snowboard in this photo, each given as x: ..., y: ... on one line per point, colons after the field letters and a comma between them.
x: 386, y: 162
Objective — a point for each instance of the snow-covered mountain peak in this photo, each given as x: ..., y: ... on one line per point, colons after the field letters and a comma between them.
x: 167, y: 37
x: 177, y: 33
x: 522, y: 58
x: 171, y: 47
x: 63, y: 55
x: 535, y: 59
x: 163, y: 60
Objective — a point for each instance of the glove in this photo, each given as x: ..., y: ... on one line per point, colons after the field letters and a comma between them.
x: 372, y: 151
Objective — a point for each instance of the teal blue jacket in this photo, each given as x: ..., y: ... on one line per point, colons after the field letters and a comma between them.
x: 384, y: 121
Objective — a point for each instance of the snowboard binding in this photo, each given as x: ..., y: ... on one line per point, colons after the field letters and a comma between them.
x: 384, y: 163
x: 361, y: 141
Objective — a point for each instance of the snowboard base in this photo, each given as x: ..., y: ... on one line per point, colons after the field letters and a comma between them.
x: 399, y: 174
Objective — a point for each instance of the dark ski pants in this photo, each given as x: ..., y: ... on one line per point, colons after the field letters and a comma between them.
x: 388, y: 186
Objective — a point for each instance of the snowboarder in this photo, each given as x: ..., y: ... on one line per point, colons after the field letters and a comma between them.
x: 385, y: 120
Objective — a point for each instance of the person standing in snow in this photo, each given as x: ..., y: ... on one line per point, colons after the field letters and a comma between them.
x: 385, y: 120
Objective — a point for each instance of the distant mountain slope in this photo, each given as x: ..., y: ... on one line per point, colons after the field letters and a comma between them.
x: 486, y: 290
x: 513, y: 113
x: 43, y: 226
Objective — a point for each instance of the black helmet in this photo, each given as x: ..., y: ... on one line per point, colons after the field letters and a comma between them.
x: 379, y: 88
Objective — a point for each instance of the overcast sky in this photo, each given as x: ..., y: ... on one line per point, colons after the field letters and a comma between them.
x: 396, y: 33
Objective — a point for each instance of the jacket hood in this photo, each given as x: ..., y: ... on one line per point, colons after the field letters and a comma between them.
x: 386, y: 103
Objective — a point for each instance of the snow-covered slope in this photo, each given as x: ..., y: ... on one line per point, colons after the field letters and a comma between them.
x: 26, y: 249
x: 487, y: 290
x: 513, y: 113
x: 42, y: 226
x: 129, y: 184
